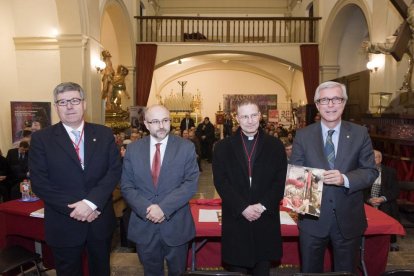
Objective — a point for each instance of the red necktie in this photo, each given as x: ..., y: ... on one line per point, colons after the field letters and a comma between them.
x: 156, y: 164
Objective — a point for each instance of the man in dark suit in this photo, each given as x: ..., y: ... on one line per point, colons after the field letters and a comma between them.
x: 384, y: 193
x: 345, y: 151
x: 17, y: 160
x: 74, y: 167
x: 186, y: 123
x: 205, y: 134
x: 228, y: 126
x: 159, y: 177
x: 249, y: 170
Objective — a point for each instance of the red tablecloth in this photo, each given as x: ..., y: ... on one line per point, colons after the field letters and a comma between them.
x: 380, y: 226
x: 17, y: 227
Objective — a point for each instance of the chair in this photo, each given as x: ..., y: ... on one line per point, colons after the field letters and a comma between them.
x: 212, y: 273
x: 344, y: 273
x: 399, y: 272
x: 16, y: 256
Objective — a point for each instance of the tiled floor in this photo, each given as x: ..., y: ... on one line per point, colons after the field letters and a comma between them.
x: 125, y: 263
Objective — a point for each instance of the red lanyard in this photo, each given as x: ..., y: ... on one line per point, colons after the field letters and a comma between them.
x: 249, y: 155
x: 76, y: 145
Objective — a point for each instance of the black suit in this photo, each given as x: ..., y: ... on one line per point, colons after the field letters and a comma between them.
x: 18, y: 168
x: 390, y: 190
x: 58, y: 179
x: 186, y: 125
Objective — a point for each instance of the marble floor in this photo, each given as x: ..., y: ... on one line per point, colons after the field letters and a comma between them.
x: 124, y: 262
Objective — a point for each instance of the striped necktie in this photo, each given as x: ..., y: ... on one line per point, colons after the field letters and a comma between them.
x: 330, y: 149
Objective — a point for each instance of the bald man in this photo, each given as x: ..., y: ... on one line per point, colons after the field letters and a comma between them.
x: 159, y: 177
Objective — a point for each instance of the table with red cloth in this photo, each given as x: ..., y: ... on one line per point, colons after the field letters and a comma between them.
x: 17, y: 227
x: 377, y: 239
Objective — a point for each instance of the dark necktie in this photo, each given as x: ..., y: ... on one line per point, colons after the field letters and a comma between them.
x: 156, y: 164
x: 330, y: 149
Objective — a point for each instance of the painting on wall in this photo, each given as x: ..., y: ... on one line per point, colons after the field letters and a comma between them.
x: 27, y: 117
x: 266, y: 102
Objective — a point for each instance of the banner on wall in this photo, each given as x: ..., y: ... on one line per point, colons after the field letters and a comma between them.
x: 266, y: 102
x: 23, y: 114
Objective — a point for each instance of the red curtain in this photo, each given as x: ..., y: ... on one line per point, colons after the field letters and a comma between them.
x: 310, y: 69
x: 145, y: 62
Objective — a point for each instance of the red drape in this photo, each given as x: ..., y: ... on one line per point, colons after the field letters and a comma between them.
x: 145, y: 62
x: 310, y: 69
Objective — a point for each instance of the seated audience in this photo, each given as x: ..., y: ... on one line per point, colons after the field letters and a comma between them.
x: 384, y: 193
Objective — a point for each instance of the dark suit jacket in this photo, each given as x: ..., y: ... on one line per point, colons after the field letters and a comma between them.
x: 389, y: 189
x: 183, y: 124
x: 58, y: 179
x: 243, y: 242
x: 177, y: 183
x: 17, y: 168
x: 355, y: 159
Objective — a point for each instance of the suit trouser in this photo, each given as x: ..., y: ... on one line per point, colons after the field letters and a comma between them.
x: 152, y: 257
x: 345, y: 251
x: 68, y: 260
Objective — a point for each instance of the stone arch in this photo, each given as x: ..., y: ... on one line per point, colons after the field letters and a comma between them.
x: 337, y: 43
x: 250, y: 69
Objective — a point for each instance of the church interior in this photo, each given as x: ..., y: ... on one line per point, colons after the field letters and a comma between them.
x: 200, y: 56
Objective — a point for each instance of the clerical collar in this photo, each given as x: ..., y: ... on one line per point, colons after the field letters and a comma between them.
x: 249, y: 138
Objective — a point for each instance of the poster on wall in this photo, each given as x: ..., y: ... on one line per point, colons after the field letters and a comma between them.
x: 27, y: 117
x: 266, y: 102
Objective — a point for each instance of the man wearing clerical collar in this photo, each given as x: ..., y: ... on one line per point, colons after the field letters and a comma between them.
x: 250, y: 193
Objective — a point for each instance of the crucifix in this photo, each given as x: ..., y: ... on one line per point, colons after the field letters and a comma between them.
x: 182, y: 84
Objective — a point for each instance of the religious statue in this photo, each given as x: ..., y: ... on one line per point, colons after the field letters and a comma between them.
x: 107, y: 77
x: 119, y: 87
x: 113, y: 84
x: 401, y: 42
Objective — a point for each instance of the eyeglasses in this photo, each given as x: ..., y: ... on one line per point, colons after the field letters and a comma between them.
x: 253, y: 116
x: 158, y: 122
x: 73, y: 101
x: 334, y: 100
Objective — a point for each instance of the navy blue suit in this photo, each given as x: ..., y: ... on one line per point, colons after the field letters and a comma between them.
x: 58, y: 179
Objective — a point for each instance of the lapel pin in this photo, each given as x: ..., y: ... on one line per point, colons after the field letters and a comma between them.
x: 94, y: 139
x: 347, y: 136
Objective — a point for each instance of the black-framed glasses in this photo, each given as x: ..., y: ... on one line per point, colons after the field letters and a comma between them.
x: 158, y: 122
x: 253, y: 116
x: 73, y: 101
x: 334, y: 100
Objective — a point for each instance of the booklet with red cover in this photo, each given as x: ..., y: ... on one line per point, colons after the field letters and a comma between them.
x: 303, y: 190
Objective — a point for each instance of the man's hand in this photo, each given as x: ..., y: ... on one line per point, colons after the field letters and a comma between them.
x: 253, y: 212
x: 81, y: 211
x: 376, y: 201
x: 333, y: 177
x: 2, y: 177
x: 94, y: 215
x: 155, y: 214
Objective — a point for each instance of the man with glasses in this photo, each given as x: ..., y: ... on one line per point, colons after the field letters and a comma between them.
x: 249, y: 170
x: 345, y: 151
x: 74, y: 167
x: 159, y: 177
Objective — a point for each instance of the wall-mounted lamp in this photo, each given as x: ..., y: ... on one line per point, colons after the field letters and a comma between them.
x: 372, y: 67
x: 374, y: 64
x: 100, y: 66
